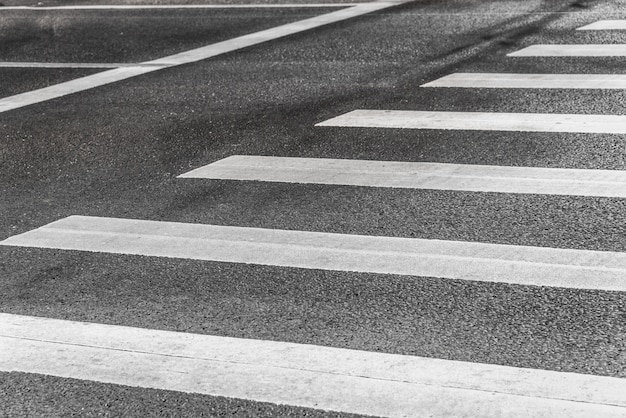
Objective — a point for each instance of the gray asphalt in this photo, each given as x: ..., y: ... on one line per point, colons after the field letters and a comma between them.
x: 116, y: 151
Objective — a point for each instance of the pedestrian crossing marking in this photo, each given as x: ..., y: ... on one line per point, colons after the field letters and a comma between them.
x: 587, y: 50
x: 477, y: 261
x: 302, y: 375
x: 531, y: 81
x: 605, y: 25
x: 417, y: 175
x: 481, y: 121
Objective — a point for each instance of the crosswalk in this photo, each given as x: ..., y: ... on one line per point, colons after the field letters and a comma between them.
x: 345, y: 380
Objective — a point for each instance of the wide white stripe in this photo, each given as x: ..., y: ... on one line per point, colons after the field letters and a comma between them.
x: 25, y: 64
x: 301, y: 375
x: 531, y: 81
x: 605, y: 25
x: 315, y: 250
x: 118, y: 74
x: 598, y: 50
x: 179, y: 6
x: 481, y: 121
x: 417, y: 175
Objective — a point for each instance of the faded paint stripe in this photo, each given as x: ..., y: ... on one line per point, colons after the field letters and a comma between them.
x: 531, y: 81
x: 194, y: 55
x: 605, y: 25
x: 417, y: 175
x: 597, y: 50
x: 300, y: 375
x: 481, y: 121
x: 328, y: 251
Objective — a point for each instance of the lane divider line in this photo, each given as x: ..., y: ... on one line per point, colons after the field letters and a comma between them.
x: 336, y: 379
x: 524, y: 265
x: 480, y: 121
x: 530, y: 81
x: 194, y: 55
x: 416, y: 175
x: 586, y: 50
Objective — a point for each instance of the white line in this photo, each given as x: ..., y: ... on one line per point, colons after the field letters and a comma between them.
x: 6, y: 64
x: 118, y: 74
x: 180, y: 6
x: 316, y: 250
x: 419, y: 175
x: 481, y: 121
x: 531, y: 81
x: 605, y: 25
x: 300, y: 375
x: 598, y: 50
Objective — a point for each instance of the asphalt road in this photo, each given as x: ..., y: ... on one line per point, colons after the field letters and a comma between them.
x: 116, y: 150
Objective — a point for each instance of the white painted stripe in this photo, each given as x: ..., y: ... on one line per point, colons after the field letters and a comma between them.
x: 316, y: 250
x: 194, y: 55
x: 531, y: 81
x: 25, y: 64
x: 598, y: 50
x: 481, y: 121
x: 605, y: 25
x: 180, y: 6
x: 300, y: 375
x: 417, y: 175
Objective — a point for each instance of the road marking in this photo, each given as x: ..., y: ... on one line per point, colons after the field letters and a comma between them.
x: 599, y: 50
x: 481, y: 121
x: 180, y: 6
x: 417, y: 175
x: 330, y: 251
x: 531, y: 81
x: 194, y: 55
x: 67, y: 65
x: 311, y: 376
x: 605, y: 25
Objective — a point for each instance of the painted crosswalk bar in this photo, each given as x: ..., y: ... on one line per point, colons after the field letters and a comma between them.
x: 587, y: 50
x: 417, y: 175
x: 331, y: 251
x: 311, y: 376
x: 531, y: 81
x: 605, y: 25
x: 481, y: 121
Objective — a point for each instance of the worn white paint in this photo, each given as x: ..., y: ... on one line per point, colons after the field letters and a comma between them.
x: 300, y: 375
x: 417, y: 175
x: 481, y: 121
x: 605, y: 25
x: 531, y: 81
x: 194, y: 55
x: 586, y: 50
x: 329, y: 251
x: 177, y: 6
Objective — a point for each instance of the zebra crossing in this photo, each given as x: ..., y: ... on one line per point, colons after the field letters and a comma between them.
x: 334, y: 379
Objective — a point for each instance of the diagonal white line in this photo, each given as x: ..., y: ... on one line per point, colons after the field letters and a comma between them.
x: 118, y: 74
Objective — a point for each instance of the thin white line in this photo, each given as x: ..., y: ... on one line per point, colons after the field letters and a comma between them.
x: 118, y: 74
x: 319, y: 377
x: 68, y: 65
x: 605, y: 25
x: 485, y: 121
x: 586, y: 50
x: 180, y: 6
x: 419, y: 175
x: 328, y: 251
x: 531, y: 81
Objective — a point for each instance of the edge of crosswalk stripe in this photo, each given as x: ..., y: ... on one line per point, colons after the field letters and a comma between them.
x: 480, y: 121
x: 530, y: 81
x: 194, y: 55
x: 297, y: 374
x: 605, y: 25
x: 562, y: 50
x: 416, y: 175
x: 524, y: 265
x: 180, y: 6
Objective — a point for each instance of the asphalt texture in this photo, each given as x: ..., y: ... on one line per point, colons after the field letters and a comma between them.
x: 116, y: 151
